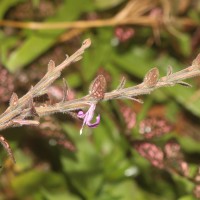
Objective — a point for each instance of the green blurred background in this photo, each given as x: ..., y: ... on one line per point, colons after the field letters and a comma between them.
x: 105, y: 163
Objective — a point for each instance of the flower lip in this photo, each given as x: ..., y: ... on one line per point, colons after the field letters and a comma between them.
x: 95, y: 124
x: 88, y: 116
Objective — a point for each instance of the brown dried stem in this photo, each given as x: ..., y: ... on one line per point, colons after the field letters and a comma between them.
x: 124, y: 93
x: 133, y: 13
x: 22, y: 108
x: 142, y: 21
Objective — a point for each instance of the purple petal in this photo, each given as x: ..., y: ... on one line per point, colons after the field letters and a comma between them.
x: 81, y: 114
x: 90, y: 113
x: 88, y: 116
x: 95, y: 124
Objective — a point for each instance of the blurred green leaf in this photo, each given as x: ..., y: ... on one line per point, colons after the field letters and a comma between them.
x: 30, y: 49
x: 97, y: 55
x: 138, y: 61
x: 184, y: 44
x: 29, y: 182
x: 187, y: 197
x: 7, y: 43
x: 189, y: 144
x: 59, y: 195
x: 183, y: 185
x: 172, y: 111
x: 128, y: 190
x: 184, y: 96
x: 104, y: 4
x: 73, y: 79
x: 85, y: 171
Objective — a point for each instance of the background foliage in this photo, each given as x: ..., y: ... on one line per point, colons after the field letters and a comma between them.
x: 106, y: 163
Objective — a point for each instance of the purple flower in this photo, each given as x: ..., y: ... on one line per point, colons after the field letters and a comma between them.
x: 88, y: 116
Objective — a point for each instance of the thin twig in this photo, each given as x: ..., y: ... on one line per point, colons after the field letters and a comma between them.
x: 21, y: 108
x: 123, y: 93
x: 142, y: 21
x: 150, y: 83
x: 133, y: 13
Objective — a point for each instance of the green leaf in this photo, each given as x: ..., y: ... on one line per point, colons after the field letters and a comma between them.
x: 105, y: 4
x: 185, y: 97
x: 97, y: 55
x: 189, y: 145
x: 183, y: 185
x: 184, y: 44
x: 84, y: 172
x: 31, y: 181
x: 187, y: 197
x: 137, y: 61
x: 7, y: 43
x: 73, y: 79
x: 31, y: 49
x: 127, y: 190
x: 62, y: 195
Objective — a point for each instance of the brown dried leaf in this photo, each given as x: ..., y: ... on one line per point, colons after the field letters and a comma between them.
x: 169, y: 70
x: 98, y: 87
x: 122, y: 83
x: 184, y: 84
x: 77, y: 59
x: 86, y: 43
x: 65, y: 90
x: 151, y: 78
x: 32, y: 108
x: 14, y: 99
x: 51, y: 66
x: 26, y: 122
x: 135, y: 99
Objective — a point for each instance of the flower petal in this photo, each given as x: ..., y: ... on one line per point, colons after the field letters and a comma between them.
x: 95, y: 124
x: 81, y: 114
x: 90, y: 113
x: 88, y: 116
